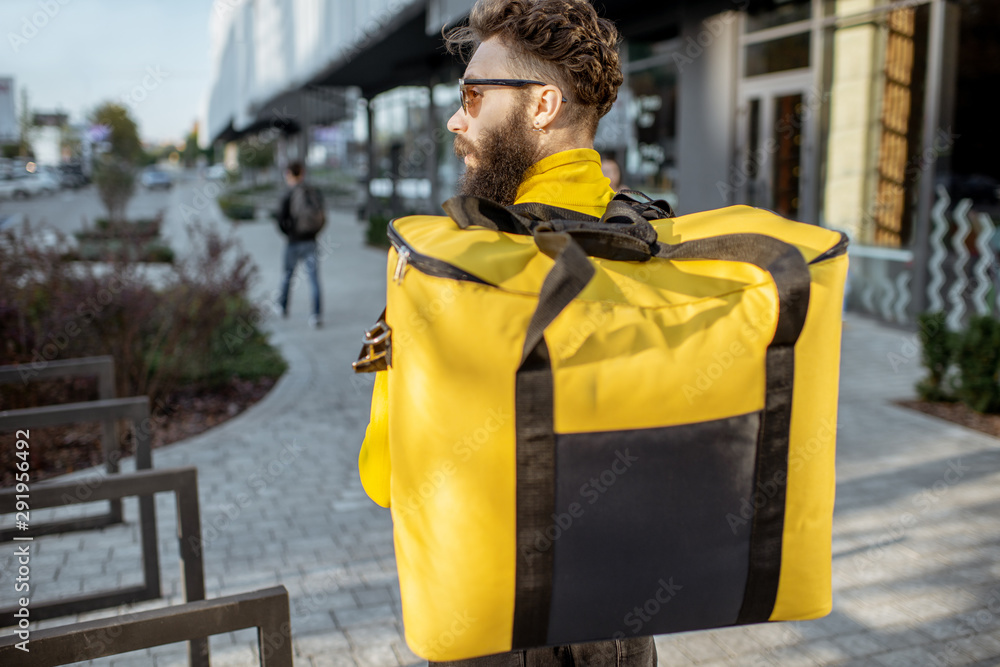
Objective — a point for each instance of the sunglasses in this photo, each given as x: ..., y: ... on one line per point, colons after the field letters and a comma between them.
x: 470, y: 97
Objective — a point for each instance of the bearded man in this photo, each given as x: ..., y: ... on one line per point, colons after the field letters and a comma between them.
x: 541, y: 76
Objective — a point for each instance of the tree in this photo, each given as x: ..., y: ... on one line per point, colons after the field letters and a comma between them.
x: 115, y: 179
x: 256, y: 154
x: 115, y: 167
x: 191, y: 151
x: 124, y: 137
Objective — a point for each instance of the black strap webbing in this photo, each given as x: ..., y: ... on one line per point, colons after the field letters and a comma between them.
x: 536, y: 440
x: 468, y: 211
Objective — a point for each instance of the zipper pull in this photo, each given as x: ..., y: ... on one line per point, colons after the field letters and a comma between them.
x: 402, y: 260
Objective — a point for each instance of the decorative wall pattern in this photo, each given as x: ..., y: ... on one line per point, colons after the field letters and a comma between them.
x: 962, y: 269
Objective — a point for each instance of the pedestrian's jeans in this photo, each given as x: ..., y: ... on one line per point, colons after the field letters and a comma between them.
x: 294, y: 252
x: 637, y: 652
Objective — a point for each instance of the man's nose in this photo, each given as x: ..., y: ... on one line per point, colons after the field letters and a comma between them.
x: 457, y: 122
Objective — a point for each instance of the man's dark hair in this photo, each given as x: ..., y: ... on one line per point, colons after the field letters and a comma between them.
x: 295, y: 168
x: 562, y: 42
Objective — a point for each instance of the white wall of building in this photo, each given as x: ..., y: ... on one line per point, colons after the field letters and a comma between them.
x: 8, y: 117
x: 46, y: 143
x: 263, y: 48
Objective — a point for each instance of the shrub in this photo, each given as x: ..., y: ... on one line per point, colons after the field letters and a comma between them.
x: 157, y: 251
x: 235, y: 209
x: 377, y: 233
x: 937, y: 344
x: 263, y: 188
x: 160, y: 337
x: 237, y: 348
x: 115, y: 181
x: 977, y: 356
x: 132, y: 241
x: 143, y: 227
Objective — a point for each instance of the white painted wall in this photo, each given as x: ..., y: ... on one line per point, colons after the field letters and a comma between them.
x: 265, y: 47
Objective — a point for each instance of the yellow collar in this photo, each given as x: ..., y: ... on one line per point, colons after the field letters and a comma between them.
x: 570, y: 179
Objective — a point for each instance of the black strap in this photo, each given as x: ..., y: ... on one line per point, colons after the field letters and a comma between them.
x: 619, y: 211
x: 790, y: 273
x: 623, y: 234
x: 626, y: 243
x: 651, y: 209
x: 544, y: 212
x: 521, y: 218
x: 468, y: 211
x: 536, y: 440
x: 623, y: 209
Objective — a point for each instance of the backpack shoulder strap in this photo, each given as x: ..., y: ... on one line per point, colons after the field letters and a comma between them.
x: 627, y: 238
x: 623, y: 209
x: 642, y: 204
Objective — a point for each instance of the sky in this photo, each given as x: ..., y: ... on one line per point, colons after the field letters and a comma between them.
x: 72, y: 55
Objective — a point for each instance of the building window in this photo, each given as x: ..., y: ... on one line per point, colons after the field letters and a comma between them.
x: 778, y: 55
x: 652, y: 115
x: 971, y: 140
x: 894, y: 196
x: 772, y: 13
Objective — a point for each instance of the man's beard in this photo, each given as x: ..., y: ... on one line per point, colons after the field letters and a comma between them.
x: 503, y: 155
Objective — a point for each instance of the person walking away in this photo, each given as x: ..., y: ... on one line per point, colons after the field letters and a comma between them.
x: 301, y: 218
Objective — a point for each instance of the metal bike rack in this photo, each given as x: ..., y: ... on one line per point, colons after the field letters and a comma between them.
x: 183, y: 482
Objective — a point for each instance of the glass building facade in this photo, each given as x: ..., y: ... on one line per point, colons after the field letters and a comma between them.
x: 842, y: 112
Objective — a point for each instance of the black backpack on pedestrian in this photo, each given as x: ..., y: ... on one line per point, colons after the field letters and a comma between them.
x: 307, y: 210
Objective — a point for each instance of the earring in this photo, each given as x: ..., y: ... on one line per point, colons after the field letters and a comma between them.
x: 537, y: 129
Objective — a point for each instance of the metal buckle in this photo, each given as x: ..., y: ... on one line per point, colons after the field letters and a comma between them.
x: 376, y: 354
x: 377, y: 334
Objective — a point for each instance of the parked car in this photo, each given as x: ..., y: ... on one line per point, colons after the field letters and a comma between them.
x: 26, y: 185
x: 7, y: 186
x: 155, y: 178
x: 216, y: 172
x: 50, y: 178
x: 71, y: 176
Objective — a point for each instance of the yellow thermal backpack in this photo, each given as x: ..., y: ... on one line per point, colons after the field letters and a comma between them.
x: 606, y: 429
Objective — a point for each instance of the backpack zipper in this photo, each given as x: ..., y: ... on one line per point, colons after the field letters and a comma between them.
x: 839, y: 248
x: 407, y: 256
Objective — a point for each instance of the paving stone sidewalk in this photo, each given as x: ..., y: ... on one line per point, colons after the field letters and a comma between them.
x: 916, y: 532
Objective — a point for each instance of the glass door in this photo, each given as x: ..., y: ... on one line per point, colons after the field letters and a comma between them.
x: 774, y: 162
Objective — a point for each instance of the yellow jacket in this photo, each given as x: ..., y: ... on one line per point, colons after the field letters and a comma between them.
x: 571, y: 179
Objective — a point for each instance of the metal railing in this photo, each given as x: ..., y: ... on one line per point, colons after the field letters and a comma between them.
x: 183, y: 482
x: 267, y: 610
x: 196, y: 619
x: 106, y: 410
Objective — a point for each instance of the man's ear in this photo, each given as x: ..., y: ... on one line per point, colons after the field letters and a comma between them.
x: 548, y: 106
